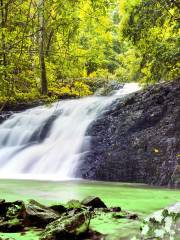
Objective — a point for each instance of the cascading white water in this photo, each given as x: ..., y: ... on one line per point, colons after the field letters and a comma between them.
x: 46, y: 142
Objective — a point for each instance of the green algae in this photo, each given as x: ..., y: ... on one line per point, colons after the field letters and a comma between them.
x: 29, y: 235
x: 140, y: 199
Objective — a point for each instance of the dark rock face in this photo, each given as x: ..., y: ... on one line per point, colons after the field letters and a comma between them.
x: 137, y: 139
x: 5, y: 115
x: 10, y: 108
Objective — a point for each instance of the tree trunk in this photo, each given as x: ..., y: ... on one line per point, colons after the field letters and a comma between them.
x: 44, y: 87
x: 3, y: 43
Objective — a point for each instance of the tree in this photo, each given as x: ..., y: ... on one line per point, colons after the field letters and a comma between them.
x: 152, y: 27
x: 44, y: 87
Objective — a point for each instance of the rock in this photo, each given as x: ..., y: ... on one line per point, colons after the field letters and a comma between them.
x: 106, y: 210
x: 12, y: 226
x: 115, y: 209
x: 16, y: 210
x: 59, y: 208
x: 159, y: 216
x: 10, y: 210
x: 124, y: 214
x: 132, y: 216
x: 3, y: 208
x: 162, y: 224
x: 5, y: 115
x: 118, y: 216
x: 137, y: 139
x: 174, y: 210
x: 92, y: 235
x: 75, y: 211
x: 73, y: 204
x: 39, y: 215
x: 7, y: 238
x: 109, y: 88
x: 67, y: 227
x: 94, y: 202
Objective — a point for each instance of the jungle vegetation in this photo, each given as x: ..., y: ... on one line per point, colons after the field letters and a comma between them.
x: 60, y: 48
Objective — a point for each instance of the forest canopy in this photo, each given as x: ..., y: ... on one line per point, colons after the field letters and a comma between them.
x: 69, y: 48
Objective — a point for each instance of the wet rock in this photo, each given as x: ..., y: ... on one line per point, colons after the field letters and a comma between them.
x: 5, y: 115
x: 75, y: 211
x: 94, y: 202
x: 7, y: 238
x: 115, y: 209
x: 67, y: 227
x: 16, y: 210
x: 132, y: 216
x: 3, y: 208
x: 118, y: 216
x: 59, y: 208
x: 125, y: 214
x: 92, y: 235
x: 39, y: 215
x: 107, y: 210
x: 137, y: 139
x: 11, y: 226
x: 73, y: 204
x: 163, y: 224
x: 10, y: 210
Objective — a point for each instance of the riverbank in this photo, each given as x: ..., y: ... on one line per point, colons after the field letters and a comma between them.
x: 140, y: 199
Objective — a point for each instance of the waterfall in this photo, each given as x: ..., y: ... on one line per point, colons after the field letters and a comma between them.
x: 46, y: 142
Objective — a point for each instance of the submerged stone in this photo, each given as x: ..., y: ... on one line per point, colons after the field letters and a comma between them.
x: 67, y: 227
x: 115, y: 209
x: 7, y: 238
x: 94, y: 202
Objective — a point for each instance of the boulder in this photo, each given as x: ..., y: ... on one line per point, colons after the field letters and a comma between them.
x: 94, y: 202
x: 11, y: 226
x: 3, y: 208
x: 11, y: 210
x: 59, y: 208
x: 39, y: 215
x: 73, y: 204
x: 16, y: 210
x: 115, y: 209
x: 163, y: 224
x: 67, y: 227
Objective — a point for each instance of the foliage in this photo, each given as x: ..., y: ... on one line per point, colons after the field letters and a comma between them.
x: 133, y: 40
x: 152, y: 28
x: 72, y: 38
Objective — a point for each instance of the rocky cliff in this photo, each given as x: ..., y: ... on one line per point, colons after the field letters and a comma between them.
x: 137, y: 139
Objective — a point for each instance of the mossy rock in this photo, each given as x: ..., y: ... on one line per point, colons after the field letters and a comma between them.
x: 67, y: 227
x: 39, y: 215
